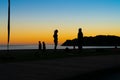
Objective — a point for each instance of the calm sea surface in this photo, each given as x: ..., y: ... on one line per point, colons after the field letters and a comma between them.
x: 4, y: 47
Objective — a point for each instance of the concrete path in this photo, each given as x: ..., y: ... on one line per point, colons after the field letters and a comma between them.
x: 56, y: 69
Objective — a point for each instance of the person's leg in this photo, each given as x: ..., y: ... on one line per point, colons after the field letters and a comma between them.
x: 55, y: 45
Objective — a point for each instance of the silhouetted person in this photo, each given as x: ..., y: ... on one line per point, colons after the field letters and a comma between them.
x: 80, y: 39
x: 55, y: 39
x: 44, y: 46
x: 74, y: 47
x: 115, y: 46
x: 67, y: 49
x: 40, y: 46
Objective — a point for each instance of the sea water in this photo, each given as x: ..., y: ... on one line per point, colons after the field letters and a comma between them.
x: 14, y: 47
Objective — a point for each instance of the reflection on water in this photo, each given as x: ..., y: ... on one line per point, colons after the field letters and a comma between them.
x: 4, y: 47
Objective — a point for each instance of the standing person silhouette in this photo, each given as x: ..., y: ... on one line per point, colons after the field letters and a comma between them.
x: 80, y: 39
x: 44, y: 46
x: 40, y: 45
x: 55, y: 36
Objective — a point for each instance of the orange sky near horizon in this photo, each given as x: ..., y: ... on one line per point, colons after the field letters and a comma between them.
x: 31, y: 35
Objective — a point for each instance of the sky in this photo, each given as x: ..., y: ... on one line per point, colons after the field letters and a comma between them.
x: 36, y: 20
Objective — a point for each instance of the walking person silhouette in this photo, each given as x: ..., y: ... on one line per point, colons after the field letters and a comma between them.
x: 80, y: 39
x: 55, y: 36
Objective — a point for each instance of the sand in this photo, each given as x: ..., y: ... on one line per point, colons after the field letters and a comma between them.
x: 58, y: 68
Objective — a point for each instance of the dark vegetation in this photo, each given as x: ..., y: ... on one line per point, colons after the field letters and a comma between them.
x: 100, y: 40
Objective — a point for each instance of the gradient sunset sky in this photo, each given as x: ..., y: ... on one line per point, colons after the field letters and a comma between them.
x: 36, y: 20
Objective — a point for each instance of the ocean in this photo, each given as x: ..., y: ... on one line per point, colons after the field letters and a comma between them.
x: 15, y: 47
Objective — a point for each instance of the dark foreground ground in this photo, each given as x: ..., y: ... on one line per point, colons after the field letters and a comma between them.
x: 32, y: 55
x: 88, y: 64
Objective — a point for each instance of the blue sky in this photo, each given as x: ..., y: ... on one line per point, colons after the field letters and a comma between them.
x: 62, y: 8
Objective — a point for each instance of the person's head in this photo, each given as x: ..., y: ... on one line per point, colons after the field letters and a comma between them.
x: 56, y: 31
x: 43, y: 42
x: 80, y: 29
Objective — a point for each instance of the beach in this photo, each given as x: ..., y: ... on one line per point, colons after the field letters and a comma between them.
x: 57, y: 65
